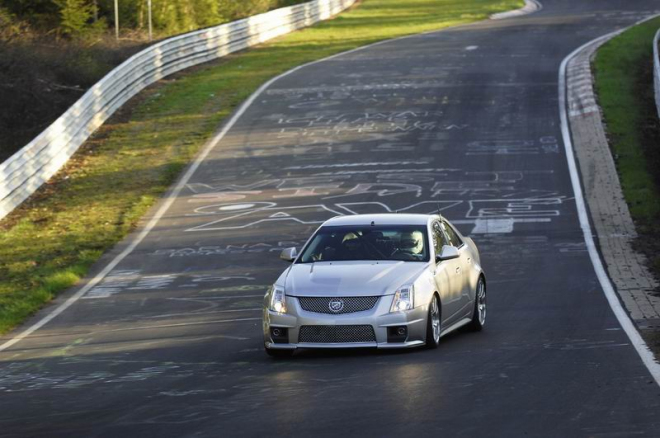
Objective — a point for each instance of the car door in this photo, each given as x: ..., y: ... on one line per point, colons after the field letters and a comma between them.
x: 447, y: 279
x: 465, y: 265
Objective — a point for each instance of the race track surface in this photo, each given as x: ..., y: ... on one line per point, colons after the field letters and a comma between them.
x: 466, y: 120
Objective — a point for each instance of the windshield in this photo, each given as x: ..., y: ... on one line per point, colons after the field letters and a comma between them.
x: 364, y: 242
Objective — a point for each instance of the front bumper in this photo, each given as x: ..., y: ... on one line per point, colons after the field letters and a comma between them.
x: 379, y: 318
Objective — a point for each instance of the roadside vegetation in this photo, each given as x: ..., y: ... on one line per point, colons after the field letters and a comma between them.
x: 51, y: 241
x: 52, y: 51
x: 624, y: 84
x: 87, y: 19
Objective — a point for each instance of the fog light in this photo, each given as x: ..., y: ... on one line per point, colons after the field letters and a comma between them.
x: 279, y: 335
x: 397, y: 333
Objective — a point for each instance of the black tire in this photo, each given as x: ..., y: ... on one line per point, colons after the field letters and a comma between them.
x: 479, y: 313
x: 433, y: 333
x: 278, y: 353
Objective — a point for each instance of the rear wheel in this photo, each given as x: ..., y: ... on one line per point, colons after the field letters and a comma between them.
x: 433, y: 324
x: 278, y: 353
x: 479, y: 314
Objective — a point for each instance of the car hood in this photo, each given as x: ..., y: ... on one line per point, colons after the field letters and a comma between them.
x: 350, y: 279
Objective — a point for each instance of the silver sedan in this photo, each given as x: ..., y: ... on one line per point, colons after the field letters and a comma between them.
x: 385, y: 281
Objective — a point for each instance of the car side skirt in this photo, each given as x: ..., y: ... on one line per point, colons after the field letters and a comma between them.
x: 455, y: 326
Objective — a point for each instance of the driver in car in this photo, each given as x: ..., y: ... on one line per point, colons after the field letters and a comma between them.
x: 411, y: 244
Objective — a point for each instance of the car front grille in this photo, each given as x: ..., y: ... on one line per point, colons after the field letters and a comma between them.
x: 336, y: 333
x: 347, y: 304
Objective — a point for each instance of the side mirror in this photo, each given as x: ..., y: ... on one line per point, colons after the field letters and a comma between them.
x: 289, y: 254
x: 448, y: 252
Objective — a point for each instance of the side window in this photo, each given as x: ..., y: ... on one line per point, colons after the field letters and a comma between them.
x: 451, y: 234
x: 438, y: 237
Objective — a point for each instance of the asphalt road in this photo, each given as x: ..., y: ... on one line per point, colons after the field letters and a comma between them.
x: 465, y: 120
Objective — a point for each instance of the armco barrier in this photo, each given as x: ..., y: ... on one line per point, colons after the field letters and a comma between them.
x: 24, y: 172
x: 656, y: 72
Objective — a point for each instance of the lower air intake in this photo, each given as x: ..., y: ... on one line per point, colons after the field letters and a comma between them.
x: 335, y: 334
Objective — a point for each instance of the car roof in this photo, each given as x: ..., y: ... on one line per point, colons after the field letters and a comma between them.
x: 381, y: 219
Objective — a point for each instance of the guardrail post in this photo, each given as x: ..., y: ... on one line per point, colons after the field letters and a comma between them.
x: 117, y: 19
x: 149, y: 15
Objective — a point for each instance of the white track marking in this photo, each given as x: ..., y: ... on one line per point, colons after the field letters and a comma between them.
x: 611, y: 295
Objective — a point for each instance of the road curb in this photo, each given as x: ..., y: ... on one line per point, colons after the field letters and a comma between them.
x: 530, y: 7
x: 615, y: 229
x: 581, y: 121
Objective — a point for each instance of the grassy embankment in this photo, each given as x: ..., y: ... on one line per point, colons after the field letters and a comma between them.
x: 624, y: 84
x: 49, y: 243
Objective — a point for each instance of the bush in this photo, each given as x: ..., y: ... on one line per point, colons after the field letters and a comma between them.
x: 78, y: 19
x: 75, y: 15
x: 180, y: 16
x: 10, y: 26
x: 235, y: 10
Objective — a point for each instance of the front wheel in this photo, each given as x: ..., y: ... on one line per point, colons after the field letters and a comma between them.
x: 433, y: 324
x: 479, y: 314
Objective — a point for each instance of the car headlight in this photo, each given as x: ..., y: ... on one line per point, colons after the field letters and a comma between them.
x: 277, y: 300
x: 403, y: 299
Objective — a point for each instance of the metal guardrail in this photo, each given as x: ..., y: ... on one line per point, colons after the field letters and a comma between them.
x: 656, y: 71
x: 24, y: 172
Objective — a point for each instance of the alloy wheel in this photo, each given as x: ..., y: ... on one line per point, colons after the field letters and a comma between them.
x: 435, y: 319
x: 481, y: 302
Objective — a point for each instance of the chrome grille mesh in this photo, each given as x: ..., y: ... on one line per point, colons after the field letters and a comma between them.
x: 350, y: 304
x: 336, y: 333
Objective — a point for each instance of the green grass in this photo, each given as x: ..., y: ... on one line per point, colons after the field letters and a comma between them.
x: 623, y: 68
x: 49, y: 243
x: 624, y: 84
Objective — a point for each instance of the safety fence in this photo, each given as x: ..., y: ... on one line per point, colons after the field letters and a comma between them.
x: 24, y: 172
